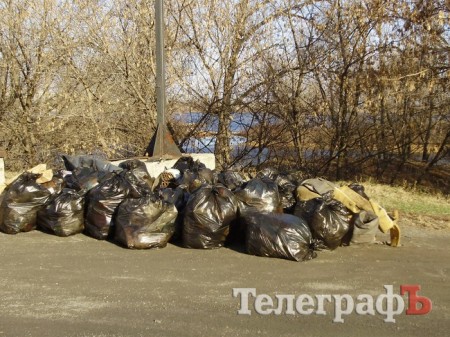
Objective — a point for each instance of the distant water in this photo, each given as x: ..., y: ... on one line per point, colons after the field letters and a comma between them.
x: 241, y: 121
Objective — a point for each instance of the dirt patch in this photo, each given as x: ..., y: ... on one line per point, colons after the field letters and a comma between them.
x: 436, y: 222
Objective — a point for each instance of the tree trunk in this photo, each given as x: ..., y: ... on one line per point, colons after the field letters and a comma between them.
x: 426, y: 140
x: 223, y: 148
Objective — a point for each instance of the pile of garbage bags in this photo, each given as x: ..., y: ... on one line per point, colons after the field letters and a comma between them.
x: 271, y: 214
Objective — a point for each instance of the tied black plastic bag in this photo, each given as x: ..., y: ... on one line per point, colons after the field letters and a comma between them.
x: 85, y: 178
x: 103, y: 200
x: 145, y: 223
x: 206, y: 175
x: 179, y: 197
x: 64, y: 214
x: 230, y: 179
x: 268, y: 172
x: 286, y: 189
x: 188, y: 163
x: 278, y: 235
x: 359, y: 189
x: 193, y: 180
x: 260, y: 195
x: 139, y: 169
x: 21, y: 202
x: 306, y: 209
x: 208, y: 215
x: 329, y: 224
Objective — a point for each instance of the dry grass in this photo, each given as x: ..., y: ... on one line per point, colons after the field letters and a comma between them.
x: 416, y: 208
x: 409, y: 200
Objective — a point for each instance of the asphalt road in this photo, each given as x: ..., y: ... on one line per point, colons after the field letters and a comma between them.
x: 77, y: 286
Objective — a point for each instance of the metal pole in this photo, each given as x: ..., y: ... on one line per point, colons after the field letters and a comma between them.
x: 160, y: 73
x: 161, y: 144
x: 160, y: 63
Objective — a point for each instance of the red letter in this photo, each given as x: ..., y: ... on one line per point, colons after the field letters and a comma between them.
x: 425, y: 302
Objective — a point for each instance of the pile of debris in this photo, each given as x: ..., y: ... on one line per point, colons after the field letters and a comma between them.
x: 272, y: 214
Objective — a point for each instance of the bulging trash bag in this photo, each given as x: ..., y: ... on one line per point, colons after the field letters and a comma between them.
x: 206, y: 175
x: 260, y: 195
x: 306, y: 209
x: 188, y: 163
x: 74, y: 162
x: 85, y: 178
x: 329, y: 224
x: 137, y: 187
x: 286, y: 188
x: 64, y: 214
x: 20, y: 204
x: 278, y: 235
x: 359, y: 189
x: 267, y: 172
x: 230, y: 179
x: 139, y: 169
x: 103, y: 200
x: 145, y: 223
x: 208, y: 215
x: 193, y: 180
x: 178, y: 196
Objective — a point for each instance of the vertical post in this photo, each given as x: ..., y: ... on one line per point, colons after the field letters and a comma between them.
x: 160, y: 70
x: 160, y: 62
x: 162, y: 143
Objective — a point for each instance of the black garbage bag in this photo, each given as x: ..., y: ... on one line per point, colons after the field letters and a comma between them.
x: 145, y: 223
x: 74, y: 162
x: 306, y: 209
x: 268, y: 172
x: 260, y: 195
x: 178, y: 196
x: 206, y: 175
x: 193, y: 180
x: 189, y: 180
x: 64, y: 214
x: 359, y: 189
x: 230, y: 179
x: 286, y: 189
x: 20, y: 204
x: 330, y: 224
x: 278, y: 235
x: 188, y: 163
x: 208, y: 214
x: 85, y: 178
x: 138, y: 187
x: 103, y: 200
x: 139, y: 169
